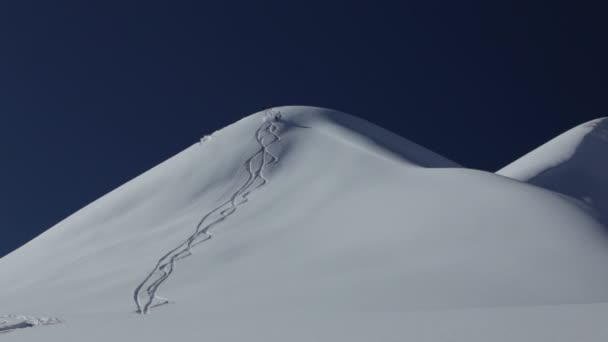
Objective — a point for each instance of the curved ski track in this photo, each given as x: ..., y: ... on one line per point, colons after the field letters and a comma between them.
x: 265, y: 135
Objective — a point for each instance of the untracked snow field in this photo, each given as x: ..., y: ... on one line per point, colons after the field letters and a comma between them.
x: 307, y: 224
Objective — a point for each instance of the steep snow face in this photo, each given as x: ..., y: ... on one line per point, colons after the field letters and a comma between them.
x: 574, y: 163
x: 300, y: 210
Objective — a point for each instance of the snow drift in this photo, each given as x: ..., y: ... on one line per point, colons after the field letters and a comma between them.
x: 319, y: 221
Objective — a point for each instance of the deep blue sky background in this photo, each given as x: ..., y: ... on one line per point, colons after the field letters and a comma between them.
x: 91, y: 95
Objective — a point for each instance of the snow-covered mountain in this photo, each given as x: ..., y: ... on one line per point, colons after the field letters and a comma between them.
x: 574, y: 163
x: 301, y: 223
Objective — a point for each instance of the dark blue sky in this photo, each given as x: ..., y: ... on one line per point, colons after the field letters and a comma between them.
x: 91, y: 95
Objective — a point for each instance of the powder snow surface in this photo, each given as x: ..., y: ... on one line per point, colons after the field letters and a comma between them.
x: 332, y: 229
x: 574, y: 163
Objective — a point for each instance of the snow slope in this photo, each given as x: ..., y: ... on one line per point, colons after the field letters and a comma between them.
x: 574, y: 163
x: 303, y: 223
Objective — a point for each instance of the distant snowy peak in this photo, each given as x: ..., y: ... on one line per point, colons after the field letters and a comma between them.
x: 574, y: 163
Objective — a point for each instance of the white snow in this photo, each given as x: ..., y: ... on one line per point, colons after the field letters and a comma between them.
x: 574, y: 163
x: 13, y: 322
x: 339, y: 231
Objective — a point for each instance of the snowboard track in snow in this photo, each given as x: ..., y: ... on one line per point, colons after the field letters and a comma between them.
x: 11, y: 322
x: 255, y: 165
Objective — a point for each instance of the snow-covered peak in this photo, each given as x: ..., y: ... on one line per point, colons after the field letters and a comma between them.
x: 351, y: 130
x: 574, y: 163
x: 299, y: 210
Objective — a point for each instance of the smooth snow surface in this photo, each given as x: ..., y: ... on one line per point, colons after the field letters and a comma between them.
x: 574, y: 163
x: 325, y: 228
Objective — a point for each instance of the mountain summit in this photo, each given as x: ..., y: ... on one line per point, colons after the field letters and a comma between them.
x: 308, y: 211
